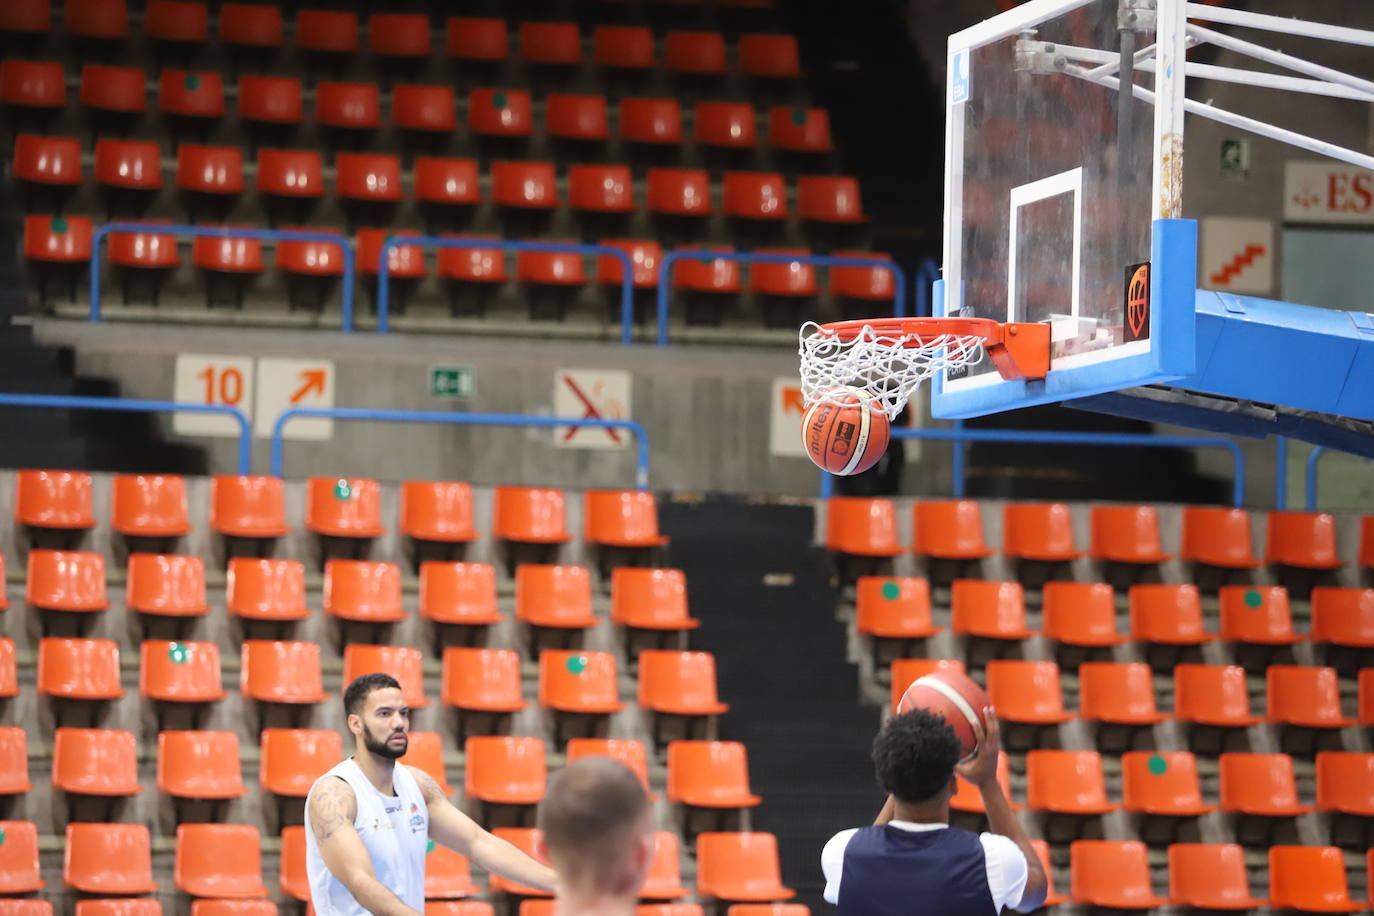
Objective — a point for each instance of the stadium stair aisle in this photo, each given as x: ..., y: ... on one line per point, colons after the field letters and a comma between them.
x: 763, y: 594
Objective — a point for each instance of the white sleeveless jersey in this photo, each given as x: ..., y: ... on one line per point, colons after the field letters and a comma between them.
x: 395, y: 831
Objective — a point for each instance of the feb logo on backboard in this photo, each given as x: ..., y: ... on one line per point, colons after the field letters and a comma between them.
x: 1137, y: 302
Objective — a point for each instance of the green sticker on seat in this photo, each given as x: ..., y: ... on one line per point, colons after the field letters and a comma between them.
x: 429, y: 848
x: 799, y: 116
x: 2, y: 836
x: 891, y: 591
x: 178, y: 652
x: 499, y: 100
x: 577, y: 663
x: 59, y: 225
x: 192, y: 81
x: 342, y: 490
x: 1253, y: 598
x: 1158, y: 765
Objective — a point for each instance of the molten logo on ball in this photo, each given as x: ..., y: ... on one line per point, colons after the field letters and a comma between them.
x: 845, y: 431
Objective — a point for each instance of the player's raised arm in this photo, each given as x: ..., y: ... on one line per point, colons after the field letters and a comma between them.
x: 333, y: 807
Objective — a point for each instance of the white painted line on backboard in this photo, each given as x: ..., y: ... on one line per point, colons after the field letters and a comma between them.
x: 1070, y: 182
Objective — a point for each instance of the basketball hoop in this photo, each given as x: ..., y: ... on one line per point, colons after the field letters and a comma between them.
x: 889, y: 358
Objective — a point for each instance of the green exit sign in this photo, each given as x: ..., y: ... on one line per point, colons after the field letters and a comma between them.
x: 450, y: 381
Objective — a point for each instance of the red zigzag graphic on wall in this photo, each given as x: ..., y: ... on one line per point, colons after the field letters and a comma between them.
x: 1238, y: 263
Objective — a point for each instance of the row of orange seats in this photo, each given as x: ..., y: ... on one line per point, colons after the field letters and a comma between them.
x: 407, y: 36
x: 1084, y: 613
x: 154, y: 505
x: 146, y: 906
x: 953, y: 529
x: 670, y: 682
x: 1123, y: 693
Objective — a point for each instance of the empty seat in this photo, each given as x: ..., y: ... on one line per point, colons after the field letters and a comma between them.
x: 19, y: 872
x: 894, y: 608
x: 1162, y: 783
x: 180, y: 671
x: 9, y: 680
x: 177, y: 21
x: 1210, y: 876
x: 904, y: 672
x: 1126, y: 534
x: 1366, y: 555
x: 664, y: 881
x: 682, y: 192
x: 1117, y: 692
x: 551, y: 43
x: 199, y: 764
x: 1343, y: 616
x: 1345, y: 782
x: 109, y: 859
x: 459, y: 593
x: 219, y: 860
x: 655, y: 122
x: 250, y: 25
x: 1066, y: 782
x: 133, y: 165
x: 650, y: 599
x: 1365, y: 690
x: 293, y: 758
x: 868, y: 284
x: 404, y: 663
x: 266, y: 589
x: 1111, y: 874
x: 679, y: 683
x: 293, y: 879
x: 576, y: 117
x: 212, y: 174
x: 53, y: 162
x: 105, y: 20
x: 1167, y: 614
x: 424, y: 108
x: 830, y: 199
x: 621, y: 518
x: 1310, y: 878
x: 190, y: 95
x: 296, y: 175
x: 115, y: 90
x: 773, y: 56
x: 403, y: 262
x: 398, y: 35
x: 95, y: 761
x: 1026, y: 692
x: 601, y: 189
x: 759, y: 196
x: 728, y: 125
x: 327, y: 31
x: 991, y: 610
x: 1217, y: 537
x: 66, y: 580
x: 79, y: 669
x: 787, y: 278
x: 146, y: 257
x: 452, y: 182
x: 634, y: 516
x: 1260, y: 784
x: 150, y: 505
x: 35, y: 84
x: 581, y: 682
x: 500, y: 113
x: 276, y: 100
x: 367, y: 177
x: 523, y: 839
x: 57, y: 247
x: 344, y: 507
x: 554, y: 596
x: 1257, y: 614
x: 1081, y: 614
x: 505, y: 770
x: 484, y: 680
x: 524, y: 185
x: 348, y: 106
x: 530, y: 515
x: 799, y: 130
x: 1303, y: 539
x: 281, y: 671
x: 967, y: 797
x: 631, y: 753
x: 448, y: 875
x: 866, y: 527
x: 480, y: 40
x: 14, y: 761
x: 166, y: 585
x: 437, y: 511
x: 949, y: 529
x: 363, y: 590
x: 1212, y: 695
x: 1309, y: 697
x: 248, y: 506
x: 701, y: 53
x: 1038, y: 531
x: 425, y: 751
x: 739, y: 866
x: 624, y: 47
x: 709, y: 774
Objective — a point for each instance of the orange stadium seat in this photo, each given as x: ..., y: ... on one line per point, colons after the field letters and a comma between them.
x: 57, y: 247
x: 327, y: 31
x: 95, y: 761
x: 866, y: 527
x: 251, y: 25
x: 830, y: 199
x: 505, y: 770
x: 631, y: 753
x: 624, y: 47
x: 228, y: 263
x: 1366, y: 556
x: 14, y: 760
x: 1343, y: 616
x: 694, y: 52
x: 347, y: 507
x: 27, y: 17
x: 1111, y: 874
x: 601, y: 189
x: 664, y: 881
x: 479, y: 40
x: 443, y: 181
x: 291, y: 175
x: 459, y: 593
x: 651, y: 121
x: 483, y: 266
x: 1304, y: 539
x: 1310, y: 878
x: 293, y: 758
x: 1257, y: 614
x: 1081, y: 614
x: 9, y: 679
x: 19, y: 872
x: 150, y: 505
x: 1127, y: 534
x: 1066, y: 782
x: 424, y: 108
x: 581, y: 682
x: 500, y: 113
x: 116, y: 90
x: 167, y: 585
x: 650, y: 599
x: 1345, y: 782
x: 219, y: 860
x: 791, y: 278
x: 1026, y: 692
x: 1217, y: 537
x: 211, y: 170
x: 991, y: 610
x: 767, y: 909
x: 180, y: 672
x: 425, y: 751
x: 367, y: 178
x: 106, y: 20
x: 869, y: 284
x: 119, y: 906
x: 523, y: 838
x: 79, y: 669
x: 1210, y: 876
x: 799, y: 130
x: 717, y: 277
x: 679, y: 683
x: 266, y: 589
x: 550, y: 268
x: 644, y: 256
x: 132, y: 165
x: 292, y: 876
x: 404, y: 262
x: 1038, y: 531
x: 281, y: 671
x: 621, y: 518
x: 773, y: 56
x: 348, y: 106
x: 739, y: 866
x: 709, y: 774
x: 524, y: 185
x: 1042, y: 850
x: 966, y: 797
x: 683, y: 192
x: 760, y: 196
x: 35, y: 84
x: 576, y: 117
x: 19, y: 906
x: 190, y: 94
x: 1259, y: 784
x: 1117, y: 692
x: 1308, y: 697
x: 894, y: 607
x: 1167, y: 614
x: 1366, y: 696
x: 458, y: 908
x: 447, y: 876
x: 728, y: 125
x: 271, y: 100
x: 1212, y: 695
x: 363, y: 590
x: 904, y: 672
x: 404, y: 663
x: 551, y: 43
x: 109, y: 859
x: 949, y: 529
x: 535, y: 515
x: 1162, y: 783
x: 485, y: 680
x: 554, y: 596
x: 199, y: 764
x: 398, y: 35
x: 66, y: 580
x: 51, y: 161
x: 149, y: 253
x: 669, y: 909
x: 177, y: 21
x: 248, y: 506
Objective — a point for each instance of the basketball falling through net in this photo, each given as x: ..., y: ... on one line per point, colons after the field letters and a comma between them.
x: 856, y: 376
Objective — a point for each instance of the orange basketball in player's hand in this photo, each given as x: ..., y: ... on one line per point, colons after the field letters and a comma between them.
x: 954, y: 697
x: 846, y: 432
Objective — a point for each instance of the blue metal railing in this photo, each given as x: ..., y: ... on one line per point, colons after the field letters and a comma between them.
x: 62, y: 401
x: 1053, y: 437
x: 462, y: 419
x: 665, y: 274
x: 627, y: 302
x: 288, y: 235
x: 926, y: 276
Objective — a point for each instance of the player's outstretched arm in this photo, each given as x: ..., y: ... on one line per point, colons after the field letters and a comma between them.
x: 452, y: 828
x: 333, y: 806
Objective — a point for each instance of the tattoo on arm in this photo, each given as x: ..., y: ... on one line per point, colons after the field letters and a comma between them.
x: 332, y: 806
x: 428, y: 787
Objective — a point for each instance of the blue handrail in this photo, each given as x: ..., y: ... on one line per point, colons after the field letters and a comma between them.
x: 288, y: 235
x: 1312, y: 458
x: 134, y: 404
x: 927, y: 274
x: 1056, y: 437
x: 665, y: 274
x: 461, y: 419
x: 627, y: 301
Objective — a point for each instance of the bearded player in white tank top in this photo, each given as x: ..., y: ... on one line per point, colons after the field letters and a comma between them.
x: 368, y: 821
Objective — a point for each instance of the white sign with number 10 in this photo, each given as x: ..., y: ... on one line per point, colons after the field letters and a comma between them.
x: 205, y: 379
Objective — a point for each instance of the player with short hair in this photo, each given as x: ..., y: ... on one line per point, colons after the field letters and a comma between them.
x: 369, y: 820
x: 597, y: 829
x: 912, y: 854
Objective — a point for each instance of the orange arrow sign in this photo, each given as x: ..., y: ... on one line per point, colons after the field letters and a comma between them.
x: 314, y: 384
x: 792, y: 400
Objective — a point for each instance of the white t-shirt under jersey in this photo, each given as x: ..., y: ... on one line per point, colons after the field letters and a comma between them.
x: 1007, y: 871
x: 394, y: 830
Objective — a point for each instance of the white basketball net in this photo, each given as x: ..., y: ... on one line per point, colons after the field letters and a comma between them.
x: 888, y: 367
